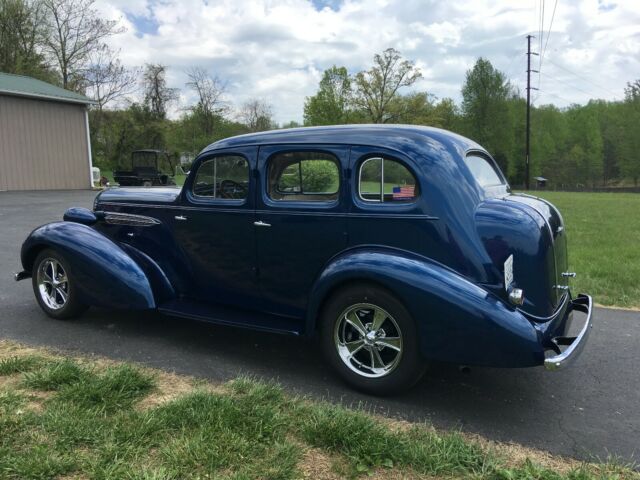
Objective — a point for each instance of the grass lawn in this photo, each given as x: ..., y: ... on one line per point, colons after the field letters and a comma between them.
x: 603, y: 231
x: 63, y: 417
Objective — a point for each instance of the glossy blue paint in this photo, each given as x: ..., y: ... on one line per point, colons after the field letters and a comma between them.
x: 105, y: 275
x: 80, y: 215
x: 442, y: 255
x: 458, y: 321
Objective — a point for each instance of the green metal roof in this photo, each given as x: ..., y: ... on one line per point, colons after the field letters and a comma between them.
x: 22, y: 86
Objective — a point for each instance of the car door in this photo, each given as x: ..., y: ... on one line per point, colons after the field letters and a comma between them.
x: 214, y: 228
x: 300, y: 220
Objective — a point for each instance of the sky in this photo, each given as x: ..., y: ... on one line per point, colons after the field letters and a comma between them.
x: 276, y: 50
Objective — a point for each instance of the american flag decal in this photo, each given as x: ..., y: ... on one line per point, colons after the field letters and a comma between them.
x: 406, y: 192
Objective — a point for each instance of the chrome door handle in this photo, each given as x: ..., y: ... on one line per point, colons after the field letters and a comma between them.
x: 260, y: 223
x: 180, y: 217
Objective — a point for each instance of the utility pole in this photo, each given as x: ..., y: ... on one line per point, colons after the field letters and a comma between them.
x: 529, y: 88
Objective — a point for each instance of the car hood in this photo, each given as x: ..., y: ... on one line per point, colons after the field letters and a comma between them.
x: 162, y: 195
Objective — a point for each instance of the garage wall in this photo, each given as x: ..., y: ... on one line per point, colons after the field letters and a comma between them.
x: 43, y: 145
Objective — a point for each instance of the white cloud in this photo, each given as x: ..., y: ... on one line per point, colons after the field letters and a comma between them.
x: 277, y: 49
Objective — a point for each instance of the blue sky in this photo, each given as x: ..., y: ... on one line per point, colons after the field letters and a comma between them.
x: 277, y: 49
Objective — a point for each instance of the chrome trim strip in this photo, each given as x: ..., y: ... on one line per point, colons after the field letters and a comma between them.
x: 583, y: 303
x: 117, y: 218
x: 275, y: 212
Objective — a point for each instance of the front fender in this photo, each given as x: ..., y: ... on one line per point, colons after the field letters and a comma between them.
x: 105, y: 274
x: 457, y: 320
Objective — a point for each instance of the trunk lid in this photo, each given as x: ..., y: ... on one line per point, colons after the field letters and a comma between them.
x: 556, y: 258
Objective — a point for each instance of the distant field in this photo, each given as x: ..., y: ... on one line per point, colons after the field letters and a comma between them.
x: 603, y: 230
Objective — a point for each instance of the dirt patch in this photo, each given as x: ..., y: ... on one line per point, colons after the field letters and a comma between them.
x: 169, y: 387
x: 515, y: 455
x: 318, y: 464
x: 11, y: 349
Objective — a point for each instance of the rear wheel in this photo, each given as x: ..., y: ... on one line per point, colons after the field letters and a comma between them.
x: 54, y: 287
x: 370, y: 339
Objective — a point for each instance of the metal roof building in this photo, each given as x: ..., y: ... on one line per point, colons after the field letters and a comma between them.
x: 44, y: 136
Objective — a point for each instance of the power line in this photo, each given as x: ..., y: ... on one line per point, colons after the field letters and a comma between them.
x: 544, y: 92
x: 553, y: 15
x: 584, y: 78
x: 591, y: 94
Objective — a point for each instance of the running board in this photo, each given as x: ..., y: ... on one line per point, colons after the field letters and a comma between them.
x: 235, y: 317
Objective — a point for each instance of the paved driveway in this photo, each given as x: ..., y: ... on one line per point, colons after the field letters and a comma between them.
x: 590, y: 410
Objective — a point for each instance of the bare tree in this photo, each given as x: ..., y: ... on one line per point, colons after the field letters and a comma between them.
x: 210, y: 91
x: 157, y: 96
x: 73, y: 31
x: 376, y: 89
x: 107, y: 79
x: 257, y: 115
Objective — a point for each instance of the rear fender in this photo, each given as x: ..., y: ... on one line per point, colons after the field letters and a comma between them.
x: 457, y: 320
x: 105, y: 274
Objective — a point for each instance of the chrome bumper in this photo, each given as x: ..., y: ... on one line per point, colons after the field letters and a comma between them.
x: 582, y: 303
x: 21, y: 276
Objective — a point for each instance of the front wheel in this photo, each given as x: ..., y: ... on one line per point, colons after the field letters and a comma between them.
x: 54, y: 287
x: 371, y: 340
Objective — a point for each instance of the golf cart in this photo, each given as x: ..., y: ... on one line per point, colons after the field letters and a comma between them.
x: 146, y: 169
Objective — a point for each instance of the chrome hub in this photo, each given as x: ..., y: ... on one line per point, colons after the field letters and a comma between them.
x: 364, y: 345
x: 53, y: 284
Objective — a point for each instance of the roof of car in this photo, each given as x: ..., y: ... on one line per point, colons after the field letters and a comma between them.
x: 399, y: 137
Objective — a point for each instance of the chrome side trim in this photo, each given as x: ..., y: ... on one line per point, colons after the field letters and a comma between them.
x: 116, y: 218
x: 583, y: 303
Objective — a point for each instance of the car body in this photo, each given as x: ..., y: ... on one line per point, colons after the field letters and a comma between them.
x: 338, y: 232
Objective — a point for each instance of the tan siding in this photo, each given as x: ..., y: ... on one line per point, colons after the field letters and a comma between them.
x: 43, y: 145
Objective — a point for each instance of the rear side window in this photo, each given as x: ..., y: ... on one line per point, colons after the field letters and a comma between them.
x: 304, y: 176
x: 484, y: 171
x: 225, y: 178
x: 386, y: 181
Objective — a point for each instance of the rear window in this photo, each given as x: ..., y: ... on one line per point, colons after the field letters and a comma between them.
x: 484, y: 171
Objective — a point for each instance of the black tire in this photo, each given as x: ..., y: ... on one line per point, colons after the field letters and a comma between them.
x: 404, y: 372
x: 68, y: 308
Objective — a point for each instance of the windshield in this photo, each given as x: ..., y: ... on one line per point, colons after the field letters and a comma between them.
x: 484, y: 170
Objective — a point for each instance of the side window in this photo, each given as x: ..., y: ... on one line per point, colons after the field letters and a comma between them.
x: 388, y: 181
x: 225, y: 177
x: 484, y: 171
x: 304, y: 176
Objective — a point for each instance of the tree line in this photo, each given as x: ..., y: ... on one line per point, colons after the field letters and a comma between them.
x: 64, y: 42
x: 580, y: 146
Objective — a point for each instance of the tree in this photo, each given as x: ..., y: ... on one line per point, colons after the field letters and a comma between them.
x: 257, y: 115
x: 377, y: 89
x: 210, y: 91
x: 157, y: 95
x: 107, y: 79
x: 487, y: 119
x: 330, y: 105
x: 21, y: 27
x: 73, y: 30
x: 629, y: 160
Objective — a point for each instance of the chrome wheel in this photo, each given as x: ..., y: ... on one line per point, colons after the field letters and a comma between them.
x: 368, y: 340
x: 53, y: 284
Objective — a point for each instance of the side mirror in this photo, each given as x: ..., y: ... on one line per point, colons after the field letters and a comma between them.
x: 80, y: 215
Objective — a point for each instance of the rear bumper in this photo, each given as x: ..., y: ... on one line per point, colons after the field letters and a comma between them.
x: 574, y: 345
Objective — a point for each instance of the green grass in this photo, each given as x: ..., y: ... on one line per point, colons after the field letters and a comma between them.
x: 66, y: 418
x: 603, y: 231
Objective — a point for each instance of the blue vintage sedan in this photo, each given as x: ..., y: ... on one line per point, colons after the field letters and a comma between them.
x: 394, y: 245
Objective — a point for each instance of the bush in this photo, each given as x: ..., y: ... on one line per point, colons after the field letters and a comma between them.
x: 319, y: 176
